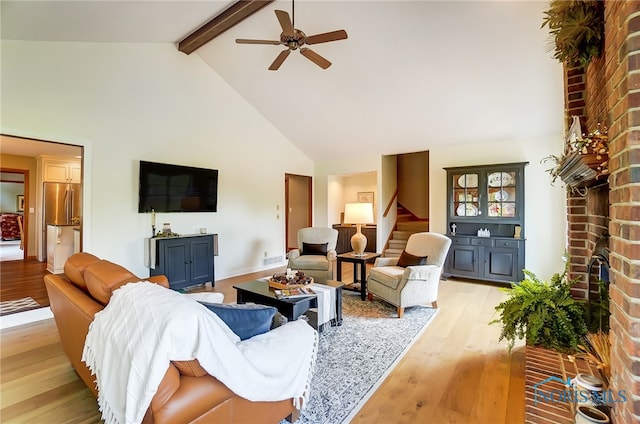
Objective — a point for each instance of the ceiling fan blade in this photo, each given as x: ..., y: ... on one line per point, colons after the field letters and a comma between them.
x: 246, y: 41
x: 281, y: 57
x: 326, y: 37
x: 285, y: 23
x: 315, y: 58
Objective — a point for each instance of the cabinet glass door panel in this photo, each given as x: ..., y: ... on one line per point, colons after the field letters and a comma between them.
x: 465, y: 195
x: 501, y: 194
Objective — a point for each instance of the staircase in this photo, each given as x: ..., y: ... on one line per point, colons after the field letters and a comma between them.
x: 404, y: 228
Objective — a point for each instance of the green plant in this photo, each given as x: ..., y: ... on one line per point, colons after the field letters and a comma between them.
x: 544, y: 313
x: 577, y: 27
x: 599, y: 310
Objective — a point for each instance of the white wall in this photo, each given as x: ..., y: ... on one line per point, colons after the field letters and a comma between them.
x: 357, y: 183
x: 132, y: 102
x: 329, y: 186
x: 335, y: 198
x: 388, y: 185
x: 545, y: 206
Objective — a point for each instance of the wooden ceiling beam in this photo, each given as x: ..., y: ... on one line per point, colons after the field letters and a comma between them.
x: 230, y: 17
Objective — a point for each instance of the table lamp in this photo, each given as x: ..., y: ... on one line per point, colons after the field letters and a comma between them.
x: 358, y: 213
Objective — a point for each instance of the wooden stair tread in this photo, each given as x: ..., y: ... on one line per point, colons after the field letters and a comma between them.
x: 397, y: 244
x: 406, y: 225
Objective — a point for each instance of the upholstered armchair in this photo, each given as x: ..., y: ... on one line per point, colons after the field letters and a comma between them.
x: 413, y: 278
x: 316, y: 253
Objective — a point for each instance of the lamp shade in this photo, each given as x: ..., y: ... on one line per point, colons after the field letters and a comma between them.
x: 358, y: 213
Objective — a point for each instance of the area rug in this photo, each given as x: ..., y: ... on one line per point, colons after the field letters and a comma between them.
x: 353, y: 359
x: 13, y: 306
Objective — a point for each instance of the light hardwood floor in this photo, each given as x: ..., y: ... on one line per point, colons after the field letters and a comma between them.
x: 456, y: 372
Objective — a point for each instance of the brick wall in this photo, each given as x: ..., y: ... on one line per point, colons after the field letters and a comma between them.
x: 575, y: 84
x: 587, y: 210
x: 608, y: 91
x: 596, y: 100
x: 623, y: 71
x: 588, y: 219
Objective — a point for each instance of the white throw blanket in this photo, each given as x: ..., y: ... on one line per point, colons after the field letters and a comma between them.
x: 144, y: 326
x: 326, y: 303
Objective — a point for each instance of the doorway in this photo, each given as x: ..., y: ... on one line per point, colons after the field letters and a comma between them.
x: 30, y: 155
x: 24, y: 278
x: 298, y: 202
x: 14, y: 196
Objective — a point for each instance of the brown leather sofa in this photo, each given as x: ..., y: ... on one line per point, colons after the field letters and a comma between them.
x: 187, y: 394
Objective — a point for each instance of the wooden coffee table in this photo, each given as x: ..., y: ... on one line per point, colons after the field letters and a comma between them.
x: 258, y: 291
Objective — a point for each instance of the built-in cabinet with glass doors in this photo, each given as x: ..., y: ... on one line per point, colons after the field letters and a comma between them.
x: 485, y: 221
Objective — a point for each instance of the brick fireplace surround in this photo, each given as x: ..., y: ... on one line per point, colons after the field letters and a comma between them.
x: 608, y: 92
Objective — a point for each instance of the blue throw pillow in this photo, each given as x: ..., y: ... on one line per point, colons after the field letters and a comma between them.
x: 246, y: 320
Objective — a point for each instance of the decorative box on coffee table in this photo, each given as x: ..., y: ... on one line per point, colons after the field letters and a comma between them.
x: 290, y: 283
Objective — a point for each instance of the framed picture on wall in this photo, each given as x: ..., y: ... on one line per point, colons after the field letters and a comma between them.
x: 20, y: 203
x: 365, y: 197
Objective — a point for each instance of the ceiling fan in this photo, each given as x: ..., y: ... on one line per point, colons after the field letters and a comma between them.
x: 295, y: 39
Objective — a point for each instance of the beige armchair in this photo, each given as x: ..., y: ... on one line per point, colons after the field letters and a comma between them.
x: 316, y: 253
x: 414, y: 284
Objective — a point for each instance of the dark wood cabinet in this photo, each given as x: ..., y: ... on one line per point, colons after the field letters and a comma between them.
x: 462, y: 260
x: 485, y: 221
x: 186, y: 261
x: 491, y: 259
x: 345, y: 232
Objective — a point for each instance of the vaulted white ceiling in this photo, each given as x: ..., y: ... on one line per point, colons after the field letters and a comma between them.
x: 411, y: 75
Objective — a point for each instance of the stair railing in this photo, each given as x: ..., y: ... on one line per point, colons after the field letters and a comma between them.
x: 388, y: 208
x: 386, y: 212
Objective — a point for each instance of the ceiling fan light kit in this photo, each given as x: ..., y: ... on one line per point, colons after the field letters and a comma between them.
x: 294, y: 39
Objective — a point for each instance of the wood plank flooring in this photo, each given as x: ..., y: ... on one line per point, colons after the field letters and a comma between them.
x: 456, y: 372
x: 19, y: 279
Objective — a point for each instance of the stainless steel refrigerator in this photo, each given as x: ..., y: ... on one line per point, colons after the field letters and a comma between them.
x: 62, y: 208
x: 62, y: 204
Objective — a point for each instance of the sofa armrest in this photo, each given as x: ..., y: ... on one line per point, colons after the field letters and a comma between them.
x: 386, y: 262
x: 182, y: 399
x: 332, y: 255
x: 293, y: 254
x: 160, y: 279
x: 73, y: 312
x: 422, y: 272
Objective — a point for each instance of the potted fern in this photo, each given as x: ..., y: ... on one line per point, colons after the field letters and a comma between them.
x: 543, y: 313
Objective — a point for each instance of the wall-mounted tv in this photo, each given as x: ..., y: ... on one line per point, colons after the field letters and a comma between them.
x: 175, y: 188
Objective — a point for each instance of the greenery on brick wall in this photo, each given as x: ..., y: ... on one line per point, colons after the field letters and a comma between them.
x: 577, y: 27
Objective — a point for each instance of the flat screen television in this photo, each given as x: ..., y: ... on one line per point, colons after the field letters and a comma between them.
x: 175, y: 188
